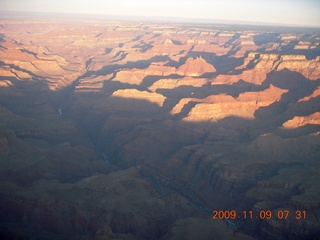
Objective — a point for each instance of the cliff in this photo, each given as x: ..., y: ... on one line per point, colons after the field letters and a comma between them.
x: 195, y: 67
x: 299, y: 121
x: 135, y: 94
x: 214, y: 108
x: 256, y: 67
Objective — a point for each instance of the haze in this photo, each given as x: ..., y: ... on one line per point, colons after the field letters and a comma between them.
x: 284, y: 12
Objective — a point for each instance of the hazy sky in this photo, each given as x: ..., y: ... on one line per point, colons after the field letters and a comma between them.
x: 296, y: 12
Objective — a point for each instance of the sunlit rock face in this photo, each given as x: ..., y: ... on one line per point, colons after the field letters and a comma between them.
x: 138, y: 130
x: 299, y: 121
x: 195, y: 67
x: 217, y: 107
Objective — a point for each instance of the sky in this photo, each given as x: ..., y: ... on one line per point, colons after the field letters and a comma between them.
x: 284, y: 12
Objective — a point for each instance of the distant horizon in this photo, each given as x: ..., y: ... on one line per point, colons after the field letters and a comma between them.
x: 179, y: 20
x: 299, y: 13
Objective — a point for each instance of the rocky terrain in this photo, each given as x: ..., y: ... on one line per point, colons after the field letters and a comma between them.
x: 140, y: 130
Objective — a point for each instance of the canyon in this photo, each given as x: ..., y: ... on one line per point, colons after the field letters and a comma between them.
x: 114, y: 129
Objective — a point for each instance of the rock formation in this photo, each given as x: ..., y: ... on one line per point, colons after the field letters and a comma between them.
x: 299, y: 121
x: 195, y: 67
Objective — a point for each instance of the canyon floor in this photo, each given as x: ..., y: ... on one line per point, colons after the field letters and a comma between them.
x: 113, y: 129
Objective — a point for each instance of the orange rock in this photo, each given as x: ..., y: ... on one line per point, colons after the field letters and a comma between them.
x: 217, y: 107
x: 265, y: 63
x: 136, y: 94
x: 174, y: 83
x: 298, y: 63
x: 315, y: 94
x: 195, y: 67
x: 299, y: 121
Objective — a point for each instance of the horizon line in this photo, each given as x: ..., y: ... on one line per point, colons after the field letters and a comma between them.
x: 181, y: 20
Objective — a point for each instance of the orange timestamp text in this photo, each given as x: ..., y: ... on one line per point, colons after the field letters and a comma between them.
x: 261, y: 214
